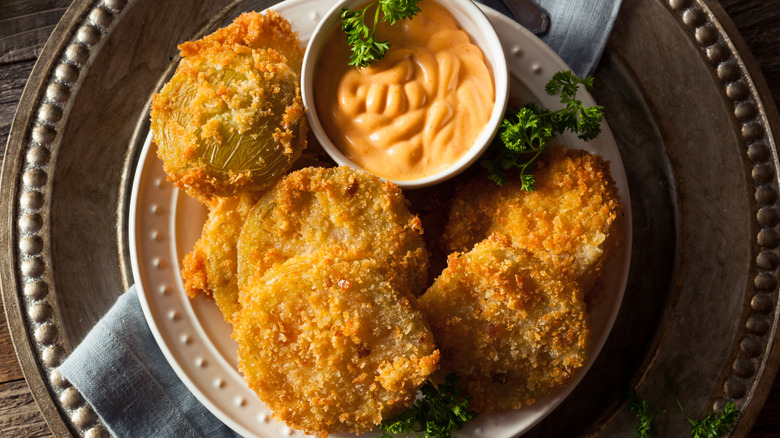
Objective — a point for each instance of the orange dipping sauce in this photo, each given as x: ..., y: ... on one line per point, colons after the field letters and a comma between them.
x: 416, y: 111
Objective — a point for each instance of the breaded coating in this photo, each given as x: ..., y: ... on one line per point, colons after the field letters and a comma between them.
x: 572, y: 221
x: 513, y: 330
x: 210, y: 268
x: 313, y: 156
x: 329, y: 345
x: 231, y: 119
x: 256, y: 31
x: 316, y: 208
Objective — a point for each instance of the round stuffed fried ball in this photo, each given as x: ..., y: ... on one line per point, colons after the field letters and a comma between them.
x: 231, y: 119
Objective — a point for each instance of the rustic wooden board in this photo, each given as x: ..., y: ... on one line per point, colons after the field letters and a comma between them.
x: 19, y: 415
x: 24, y: 25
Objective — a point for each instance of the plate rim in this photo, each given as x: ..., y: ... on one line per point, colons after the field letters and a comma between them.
x: 38, y: 361
x: 540, y: 66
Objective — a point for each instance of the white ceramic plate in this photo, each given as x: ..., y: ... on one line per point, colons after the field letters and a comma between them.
x: 165, y: 223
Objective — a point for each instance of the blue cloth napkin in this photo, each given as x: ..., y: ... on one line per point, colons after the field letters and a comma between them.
x: 122, y: 373
x: 578, y: 29
x: 119, y: 368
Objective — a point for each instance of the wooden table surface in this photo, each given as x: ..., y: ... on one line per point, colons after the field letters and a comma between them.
x: 26, y: 24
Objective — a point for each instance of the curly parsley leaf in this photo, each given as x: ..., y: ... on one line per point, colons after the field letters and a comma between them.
x: 526, y: 134
x: 438, y: 413
x: 712, y: 426
x: 395, y: 10
x: 360, y: 36
x: 645, y: 413
x: 715, y: 425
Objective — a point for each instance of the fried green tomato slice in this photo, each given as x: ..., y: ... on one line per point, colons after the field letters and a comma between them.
x: 210, y: 268
x: 329, y: 345
x: 231, y: 119
x: 316, y: 208
x: 572, y: 222
x: 512, y: 330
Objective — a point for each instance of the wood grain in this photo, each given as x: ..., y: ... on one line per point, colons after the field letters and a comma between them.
x: 9, y: 366
x: 19, y: 415
x: 13, y: 76
x: 10, y: 9
x: 759, y: 24
x: 24, y: 27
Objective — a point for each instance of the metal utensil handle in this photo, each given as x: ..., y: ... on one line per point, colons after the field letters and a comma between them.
x: 529, y: 15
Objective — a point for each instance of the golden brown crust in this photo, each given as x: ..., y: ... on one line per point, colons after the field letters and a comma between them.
x: 329, y: 345
x: 231, y: 119
x: 210, y: 268
x: 513, y: 330
x: 316, y: 208
x: 319, y: 277
x: 256, y: 31
x: 193, y: 273
x: 571, y: 222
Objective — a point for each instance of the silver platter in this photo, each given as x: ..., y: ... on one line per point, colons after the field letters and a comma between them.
x: 687, y: 105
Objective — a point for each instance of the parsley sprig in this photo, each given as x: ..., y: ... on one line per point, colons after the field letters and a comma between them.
x: 712, y: 426
x: 715, y: 426
x: 360, y: 37
x: 645, y: 412
x: 438, y: 413
x: 526, y: 134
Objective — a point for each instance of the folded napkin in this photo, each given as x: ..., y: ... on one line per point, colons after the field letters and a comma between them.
x: 578, y: 29
x: 121, y: 371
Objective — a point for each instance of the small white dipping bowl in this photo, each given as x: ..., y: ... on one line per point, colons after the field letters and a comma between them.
x: 472, y: 20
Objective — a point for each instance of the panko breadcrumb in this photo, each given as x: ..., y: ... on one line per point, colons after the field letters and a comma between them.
x: 257, y: 31
x: 511, y: 329
x: 316, y: 208
x: 231, y: 119
x: 572, y: 221
x: 210, y: 268
x: 329, y: 345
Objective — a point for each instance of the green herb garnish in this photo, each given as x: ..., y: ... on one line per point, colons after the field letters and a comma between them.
x: 645, y: 412
x: 711, y: 426
x: 438, y: 413
x: 360, y: 37
x: 715, y: 426
x: 524, y: 138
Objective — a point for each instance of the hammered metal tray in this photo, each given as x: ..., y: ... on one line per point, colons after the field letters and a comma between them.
x: 686, y: 103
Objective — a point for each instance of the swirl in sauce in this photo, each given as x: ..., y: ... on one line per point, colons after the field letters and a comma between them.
x: 416, y: 111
